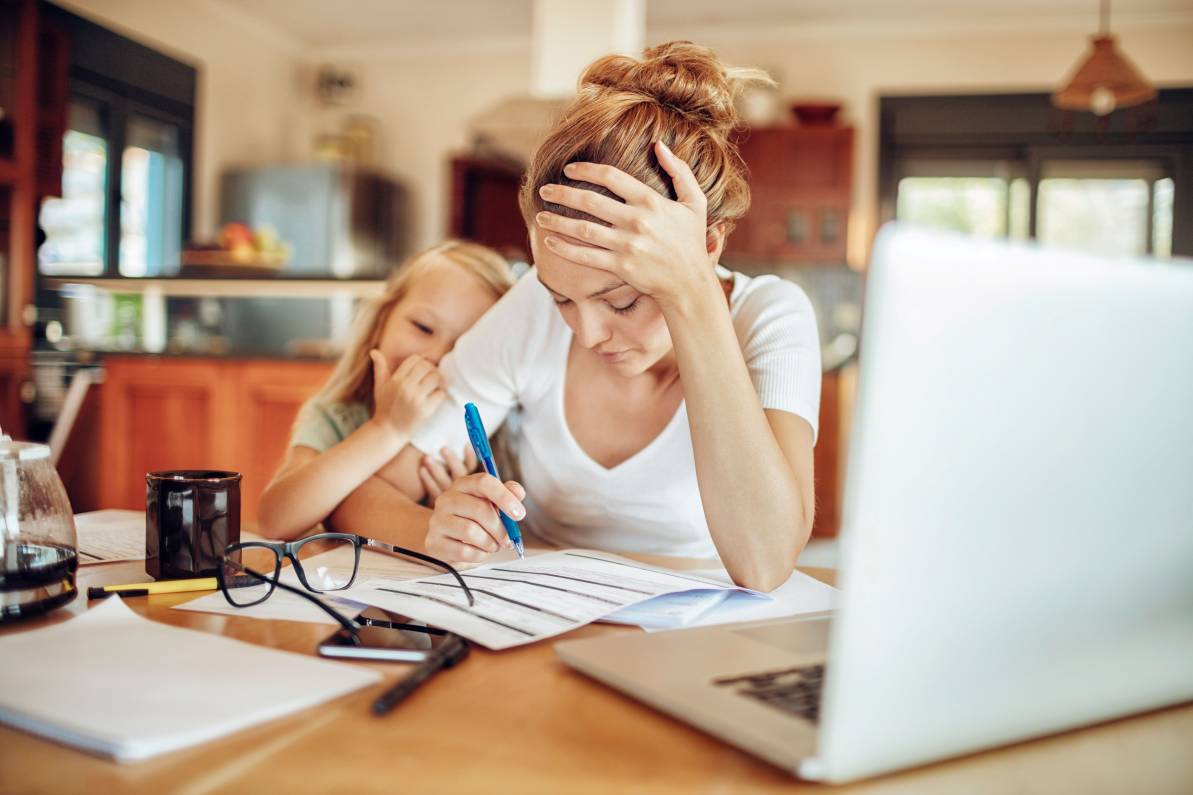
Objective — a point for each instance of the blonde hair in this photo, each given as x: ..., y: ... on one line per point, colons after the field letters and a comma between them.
x: 678, y: 93
x: 352, y: 378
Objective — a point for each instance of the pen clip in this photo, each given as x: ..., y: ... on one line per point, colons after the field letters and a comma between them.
x: 476, y: 432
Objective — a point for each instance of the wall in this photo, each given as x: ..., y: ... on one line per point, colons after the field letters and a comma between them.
x: 423, y: 100
x: 256, y: 104
x: 249, y: 103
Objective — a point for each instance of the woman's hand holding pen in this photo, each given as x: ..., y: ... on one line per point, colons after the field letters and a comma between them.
x: 404, y: 398
x: 656, y: 245
x: 465, y: 526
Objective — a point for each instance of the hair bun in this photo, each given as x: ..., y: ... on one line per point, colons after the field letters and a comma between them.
x: 684, y: 77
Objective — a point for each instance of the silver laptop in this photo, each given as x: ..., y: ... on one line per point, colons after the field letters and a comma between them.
x: 1017, y: 543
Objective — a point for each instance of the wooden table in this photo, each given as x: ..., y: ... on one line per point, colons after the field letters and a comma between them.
x: 521, y: 721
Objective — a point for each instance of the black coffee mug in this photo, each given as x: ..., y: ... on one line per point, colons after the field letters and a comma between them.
x: 190, y: 516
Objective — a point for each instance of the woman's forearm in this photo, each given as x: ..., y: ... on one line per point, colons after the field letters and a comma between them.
x: 302, y: 497
x: 752, y: 499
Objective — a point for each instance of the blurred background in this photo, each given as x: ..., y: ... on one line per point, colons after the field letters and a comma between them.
x: 195, y: 195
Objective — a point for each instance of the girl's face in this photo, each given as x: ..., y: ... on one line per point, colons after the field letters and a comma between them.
x: 440, y: 304
x: 623, y: 327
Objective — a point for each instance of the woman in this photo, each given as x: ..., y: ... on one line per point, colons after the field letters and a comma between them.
x: 665, y: 404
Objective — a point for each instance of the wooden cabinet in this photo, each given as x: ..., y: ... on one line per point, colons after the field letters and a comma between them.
x: 800, y: 180
x: 827, y: 459
x: 484, y: 205
x: 269, y: 395
x: 33, y: 58
x: 191, y: 413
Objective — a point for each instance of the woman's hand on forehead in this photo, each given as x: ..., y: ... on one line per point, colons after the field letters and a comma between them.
x: 656, y: 245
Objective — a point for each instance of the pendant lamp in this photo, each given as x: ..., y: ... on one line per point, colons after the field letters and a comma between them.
x: 1105, y: 79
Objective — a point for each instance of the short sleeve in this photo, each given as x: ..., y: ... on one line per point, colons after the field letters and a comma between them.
x: 776, y: 327
x: 321, y: 426
x: 492, y: 364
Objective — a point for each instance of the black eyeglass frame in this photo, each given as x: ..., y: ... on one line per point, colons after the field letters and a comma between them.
x: 352, y: 629
x: 289, y: 549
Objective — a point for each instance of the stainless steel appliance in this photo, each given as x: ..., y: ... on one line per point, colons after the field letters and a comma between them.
x: 340, y: 220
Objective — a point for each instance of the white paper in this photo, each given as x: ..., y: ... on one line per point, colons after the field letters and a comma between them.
x: 114, y: 683
x: 520, y: 602
x: 111, y: 535
x: 671, y: 611
x: 799, y: 595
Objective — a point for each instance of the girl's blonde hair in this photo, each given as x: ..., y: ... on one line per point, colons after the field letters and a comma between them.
x: 678, y: 93
x: 352, y: 378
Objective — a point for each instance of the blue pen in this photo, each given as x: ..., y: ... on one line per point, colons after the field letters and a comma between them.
x: 480, y: 446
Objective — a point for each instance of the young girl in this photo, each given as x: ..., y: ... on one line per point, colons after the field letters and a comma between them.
x: 384, y: 386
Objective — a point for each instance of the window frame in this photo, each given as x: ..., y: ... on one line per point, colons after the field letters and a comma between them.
x: 124, y: 78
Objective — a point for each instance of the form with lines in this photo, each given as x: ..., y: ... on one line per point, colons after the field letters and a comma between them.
x: 519, y: 602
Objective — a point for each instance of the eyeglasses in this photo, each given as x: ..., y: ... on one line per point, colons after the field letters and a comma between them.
x: 250, y: 570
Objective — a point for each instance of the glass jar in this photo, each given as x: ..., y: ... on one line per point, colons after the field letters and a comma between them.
x: 39, y: 547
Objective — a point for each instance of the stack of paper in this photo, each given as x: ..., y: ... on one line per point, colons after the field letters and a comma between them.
x: 116, y: 684
x: 524, y: 601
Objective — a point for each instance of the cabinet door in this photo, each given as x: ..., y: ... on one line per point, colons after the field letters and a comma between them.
x: 268, y: 396
x: 161, y: 413
x: 800, y: 181
x: 827, y: 459
x: 18, y: 200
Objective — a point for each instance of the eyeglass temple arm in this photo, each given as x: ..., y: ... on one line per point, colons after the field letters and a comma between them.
x: 343, y: 622
x: 369, y: 542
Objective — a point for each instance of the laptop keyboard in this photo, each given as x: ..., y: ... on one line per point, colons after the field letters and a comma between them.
x: 795, y: 691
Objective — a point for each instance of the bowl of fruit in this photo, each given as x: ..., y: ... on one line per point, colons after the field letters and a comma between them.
x: 238, y: 251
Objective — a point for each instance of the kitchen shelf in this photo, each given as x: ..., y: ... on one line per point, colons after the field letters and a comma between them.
x: 232, y: 288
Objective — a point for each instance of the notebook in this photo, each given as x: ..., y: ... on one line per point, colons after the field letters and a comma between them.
x: 113, y: 683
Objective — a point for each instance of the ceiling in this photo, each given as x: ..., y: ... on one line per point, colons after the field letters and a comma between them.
x: 380, y: 23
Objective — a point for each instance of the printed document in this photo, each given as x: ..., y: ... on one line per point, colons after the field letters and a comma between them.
x: 106, y: 536
x: 523, y: 601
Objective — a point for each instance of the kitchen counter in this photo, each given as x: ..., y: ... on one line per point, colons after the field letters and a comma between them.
x: 279, y: 287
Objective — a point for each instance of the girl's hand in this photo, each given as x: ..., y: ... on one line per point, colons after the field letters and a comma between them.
x: 465, y: 527
x: 405, y: 398
x: 438, y: 477
x: 657, y: 246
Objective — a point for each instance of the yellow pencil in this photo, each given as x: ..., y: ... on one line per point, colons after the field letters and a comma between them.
x: 162, y: 586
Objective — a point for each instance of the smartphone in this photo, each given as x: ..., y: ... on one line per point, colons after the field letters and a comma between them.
x: 393, y: 638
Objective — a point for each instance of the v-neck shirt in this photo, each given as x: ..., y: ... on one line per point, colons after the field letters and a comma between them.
x: 513, y: 364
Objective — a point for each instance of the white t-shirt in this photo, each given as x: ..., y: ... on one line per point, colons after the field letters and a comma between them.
x: 515, y: 359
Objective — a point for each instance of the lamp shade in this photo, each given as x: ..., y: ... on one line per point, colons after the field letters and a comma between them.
x: 1105, y: 80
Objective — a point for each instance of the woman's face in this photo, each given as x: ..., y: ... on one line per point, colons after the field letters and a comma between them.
x: 440, y: 304
x: 623, y: 327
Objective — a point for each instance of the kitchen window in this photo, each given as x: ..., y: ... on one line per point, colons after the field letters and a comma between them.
x: 74, y: 223
x: 125, y: 204
x: 983, y: 198
x: 151, y: 191
x: 1011, y: 167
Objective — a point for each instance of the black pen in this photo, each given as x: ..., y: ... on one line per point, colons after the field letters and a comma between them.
x: 450, y: 653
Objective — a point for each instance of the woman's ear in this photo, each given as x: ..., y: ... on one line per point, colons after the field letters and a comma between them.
x: 715, y: 242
